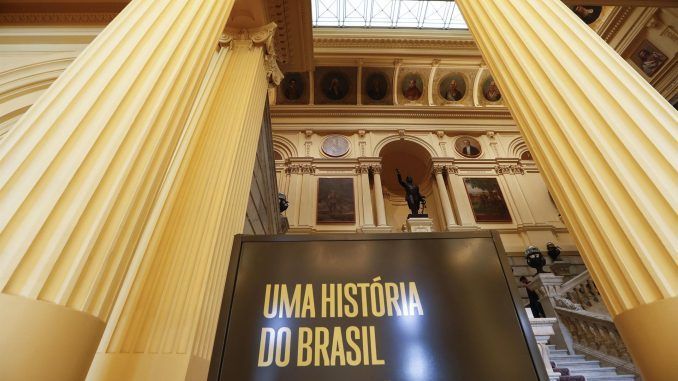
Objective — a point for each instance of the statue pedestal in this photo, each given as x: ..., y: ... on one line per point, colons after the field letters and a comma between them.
x: 419, y: 224
x: 376, y: 229
x: 560, y: 268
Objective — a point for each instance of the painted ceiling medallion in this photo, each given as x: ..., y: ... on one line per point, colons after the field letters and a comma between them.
x: 335, y: 146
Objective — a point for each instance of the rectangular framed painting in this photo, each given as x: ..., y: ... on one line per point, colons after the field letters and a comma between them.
x: 487, y: 200
x: 648, y: 58
x: 336, y: 204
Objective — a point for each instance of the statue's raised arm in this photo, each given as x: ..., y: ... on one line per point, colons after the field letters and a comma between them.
x: 400, y: 179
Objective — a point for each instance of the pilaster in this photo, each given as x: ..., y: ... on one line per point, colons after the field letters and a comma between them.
x: 444, y: 196
x: 363, y: 170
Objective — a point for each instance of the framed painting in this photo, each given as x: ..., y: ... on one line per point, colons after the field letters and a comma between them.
x: 336, y: 85
x: 487, y: 201
x: 377, y: 88
x: 468, y: 146
x: 335, y: 203
x: 294, y: 89
x: 648, y: 58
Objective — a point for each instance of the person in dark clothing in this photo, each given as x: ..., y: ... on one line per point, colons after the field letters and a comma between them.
x: 535, y: 306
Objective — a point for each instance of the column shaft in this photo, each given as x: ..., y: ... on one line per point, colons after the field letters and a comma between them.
x: 306, y: 208
x: 444, y: 198
x: 605, y: 141
x: 81, y: 168
x: 294, y: 195
x: 174, y: 301
x: 368, y: 214
x: 379, y: 197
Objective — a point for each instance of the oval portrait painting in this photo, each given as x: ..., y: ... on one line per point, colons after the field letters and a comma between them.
x: 491, y: 91
x: 376, y: 86
x: 453, y: 88
x: 335, y: 85
x: 412, y: 87
x: 468, y: 146
x: 293, y: 86
x: 587, y: 13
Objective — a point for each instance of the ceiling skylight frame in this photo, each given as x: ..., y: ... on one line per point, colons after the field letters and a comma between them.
x: 412, y: 14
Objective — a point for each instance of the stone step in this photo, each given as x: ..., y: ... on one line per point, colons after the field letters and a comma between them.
x: 620, y: 377
x: 592, y: 372
x: 558, y: 352
x: 562, y: 357
x: 578, y: 364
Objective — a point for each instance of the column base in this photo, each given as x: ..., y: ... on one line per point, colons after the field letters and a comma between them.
x: 650, y: 333
x: 376, y: 229
x: 147, y: 366
x: 45, y: 341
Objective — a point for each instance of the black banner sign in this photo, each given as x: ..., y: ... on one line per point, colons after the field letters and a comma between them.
x: 386, y: 307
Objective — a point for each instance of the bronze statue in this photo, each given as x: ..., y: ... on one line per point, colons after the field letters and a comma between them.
x: 415, y: 201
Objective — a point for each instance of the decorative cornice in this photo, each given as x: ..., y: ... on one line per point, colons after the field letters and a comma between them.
x: 393, y: 42
x: 618, y: 20
x: 391, y: 112
x: 55, y: 18
x: 277, y: 9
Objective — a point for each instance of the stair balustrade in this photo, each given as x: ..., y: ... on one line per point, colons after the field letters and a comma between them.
x: 584, y: 322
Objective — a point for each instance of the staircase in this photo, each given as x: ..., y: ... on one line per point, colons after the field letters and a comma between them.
x: 579, y: 366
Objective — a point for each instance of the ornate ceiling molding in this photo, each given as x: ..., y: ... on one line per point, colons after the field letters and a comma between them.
x: 392, y: 42
x: 293, y: 39
x: 56, y: 18
x: 618, y: 18
x: 498, y: 113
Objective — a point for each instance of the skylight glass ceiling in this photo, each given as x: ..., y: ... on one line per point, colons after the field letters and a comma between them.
x: 387, y: 14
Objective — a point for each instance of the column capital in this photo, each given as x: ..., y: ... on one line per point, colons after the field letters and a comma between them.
x: 362, y: 168
x: 512, y: 169
x: 300, y: 169
x: 452, y: 169
x: 376, y: 169
x: 438, y: 169
x: 262, y: 36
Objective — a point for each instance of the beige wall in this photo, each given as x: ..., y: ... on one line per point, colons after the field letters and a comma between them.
x: 535, y: 218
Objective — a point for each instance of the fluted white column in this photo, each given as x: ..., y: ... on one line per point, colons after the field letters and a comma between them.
x: 379, y: 195
x: 78, y: 176
x: 605, y: 142
x: 444, y: 197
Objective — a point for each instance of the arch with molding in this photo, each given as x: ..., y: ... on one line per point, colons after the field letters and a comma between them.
x: 20, y: 87
x: 284, y: 147
x: 517, y: 147
x: 393, y: 138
